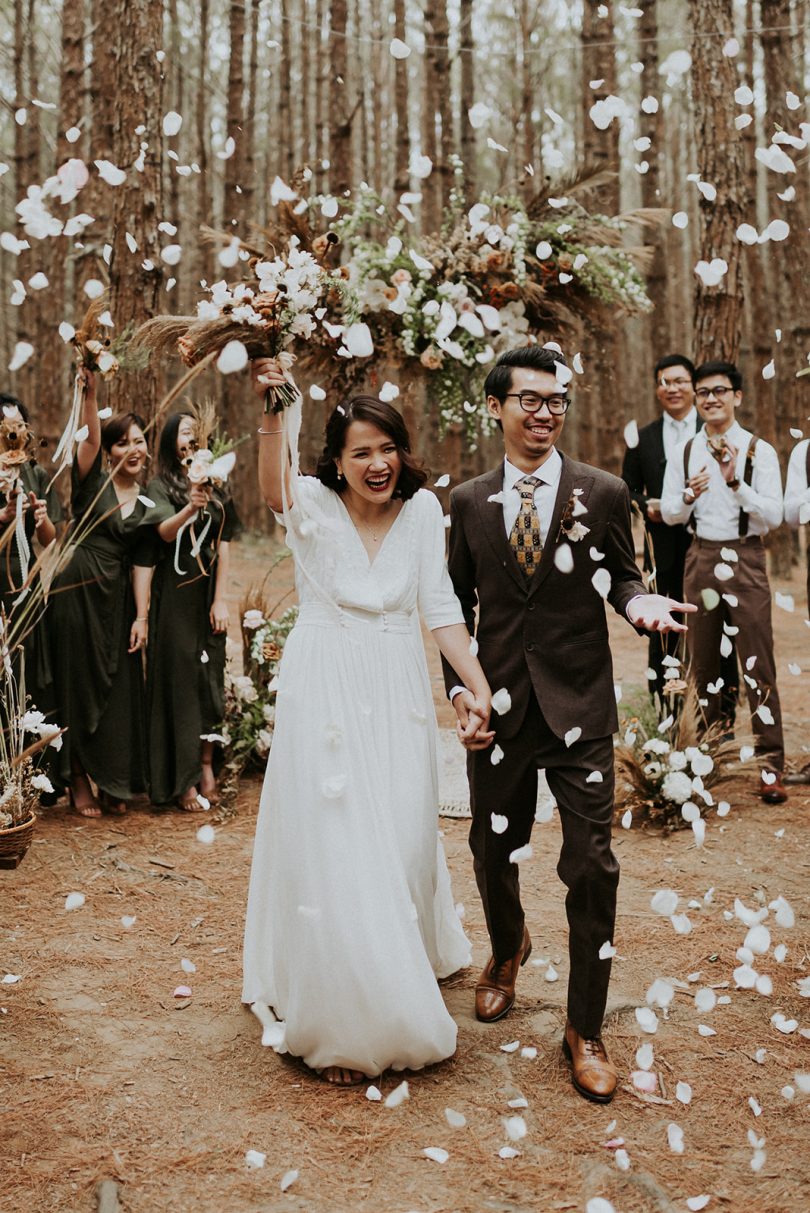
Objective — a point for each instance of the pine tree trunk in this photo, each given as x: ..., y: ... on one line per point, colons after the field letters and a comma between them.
x: 55, y: 357
x: 138, y: 207
x: 718, y: 309
x: 340, y: 121
x: 652, y: 126
x: 600, y: 402
x: 321, y: 101
x: 402, y: 137
x: 437, y: 115
x: 285, y: 131
x: 205, y: 206
x: 305, y: 147
x: 232, y: 208
x: 789, y: 258
x: 467, y: 99
x: 528, y: 142
x: 249, y: 179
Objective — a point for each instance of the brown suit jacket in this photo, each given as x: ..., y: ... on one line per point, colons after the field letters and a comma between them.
x: 548, y: 635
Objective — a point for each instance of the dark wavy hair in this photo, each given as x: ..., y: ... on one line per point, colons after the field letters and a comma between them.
x: 117, y: 427
x: 13, y: 402
x: 169, y: 468
x: 413, y: 475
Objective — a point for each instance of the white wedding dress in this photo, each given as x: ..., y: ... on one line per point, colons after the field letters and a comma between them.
x: 350, y: 916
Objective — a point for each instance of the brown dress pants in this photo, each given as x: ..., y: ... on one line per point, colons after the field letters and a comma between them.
x: 587, y: 865
x: 752, y: 616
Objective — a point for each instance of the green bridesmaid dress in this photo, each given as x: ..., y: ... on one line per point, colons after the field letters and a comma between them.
x: 99, y: 687
x: 186, y: 659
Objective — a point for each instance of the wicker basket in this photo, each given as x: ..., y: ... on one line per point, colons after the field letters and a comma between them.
x: 15, y: 841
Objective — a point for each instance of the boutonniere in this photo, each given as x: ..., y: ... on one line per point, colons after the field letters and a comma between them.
x: 570, y: 529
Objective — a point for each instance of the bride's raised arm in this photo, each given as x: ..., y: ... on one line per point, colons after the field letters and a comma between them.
x: 268, y: 373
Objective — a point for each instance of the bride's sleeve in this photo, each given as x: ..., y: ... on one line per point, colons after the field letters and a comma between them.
x: 437, y: 601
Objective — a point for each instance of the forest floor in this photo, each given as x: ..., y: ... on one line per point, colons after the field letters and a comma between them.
x: 104, y: 1074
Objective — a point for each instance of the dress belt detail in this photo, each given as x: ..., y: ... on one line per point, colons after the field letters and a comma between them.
x: 321, y: 615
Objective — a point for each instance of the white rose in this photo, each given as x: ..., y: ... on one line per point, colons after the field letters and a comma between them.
x: 677, y: 786
x: 252, y: 620
x: 677, y: 760
x: 656, y: 745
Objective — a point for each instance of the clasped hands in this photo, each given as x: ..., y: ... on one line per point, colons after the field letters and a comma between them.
x: 472, y: 726
x: 698, y: 484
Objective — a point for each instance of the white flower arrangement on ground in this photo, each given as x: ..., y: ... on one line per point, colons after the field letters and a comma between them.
x: 250, y: 697
x: 665, y: 769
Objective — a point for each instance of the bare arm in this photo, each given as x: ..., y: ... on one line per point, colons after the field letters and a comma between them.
x: 141, y: 585
x: 266, y: 372
x: 89, y: 447
x: 198, y: 497
x: 219, y: 607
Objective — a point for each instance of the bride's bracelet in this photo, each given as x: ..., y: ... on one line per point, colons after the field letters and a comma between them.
x: 267, y: 433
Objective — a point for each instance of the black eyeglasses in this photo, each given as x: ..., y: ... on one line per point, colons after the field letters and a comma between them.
x: 703, y: 393
x: 532, y: 402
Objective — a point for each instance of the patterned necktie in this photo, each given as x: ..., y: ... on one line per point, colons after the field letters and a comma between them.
x: 525, y: 539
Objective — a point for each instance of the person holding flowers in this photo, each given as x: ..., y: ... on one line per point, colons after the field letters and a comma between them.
x: 188, y: 618
x: 98, y: 614
x: 29, y: 508
x: 350, y: 917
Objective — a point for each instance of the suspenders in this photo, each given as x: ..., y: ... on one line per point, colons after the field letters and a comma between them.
x: 748, y: 475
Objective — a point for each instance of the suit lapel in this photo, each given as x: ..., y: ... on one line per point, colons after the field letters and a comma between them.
x: 490, y: 514
x: 568, y: 483
x: 657, y: 435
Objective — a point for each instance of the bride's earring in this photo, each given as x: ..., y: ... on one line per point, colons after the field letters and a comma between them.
x: 339, y: 474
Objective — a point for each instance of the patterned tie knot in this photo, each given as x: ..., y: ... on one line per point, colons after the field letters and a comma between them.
x: 526, y: 486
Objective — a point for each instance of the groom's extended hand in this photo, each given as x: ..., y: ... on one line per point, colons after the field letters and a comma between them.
x: 653, y: 612
x: 473, y: 719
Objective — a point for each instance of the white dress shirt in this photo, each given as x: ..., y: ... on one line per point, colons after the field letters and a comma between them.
x: 678, y: 433
x: 717, y: 510
x: 797, y: 493
x: 545, y: 493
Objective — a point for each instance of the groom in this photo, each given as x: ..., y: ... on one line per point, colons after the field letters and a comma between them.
x: 535, y: 546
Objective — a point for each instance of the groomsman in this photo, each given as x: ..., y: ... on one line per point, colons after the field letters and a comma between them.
x: 643, y: 472
x: 535, y: 546
x: 726, y: 483
x: 665, y: 547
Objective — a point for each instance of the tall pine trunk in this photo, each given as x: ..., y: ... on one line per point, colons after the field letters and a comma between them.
x: 718, y: 309
x: 402, y: 137
x: 138, y: 206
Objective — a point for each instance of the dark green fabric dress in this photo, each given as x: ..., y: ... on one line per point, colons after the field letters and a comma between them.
x: 99, y: 687
x: 34, y: 479
x: 186, y: 660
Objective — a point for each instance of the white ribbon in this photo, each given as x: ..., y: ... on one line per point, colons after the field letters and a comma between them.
x: 196, y: 540
x: 64, y: 451
x: 23, y: 550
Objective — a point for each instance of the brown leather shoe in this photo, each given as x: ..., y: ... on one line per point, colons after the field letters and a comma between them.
x: 592, y: 1072
x: 773, y: 793
x: 495, y: 991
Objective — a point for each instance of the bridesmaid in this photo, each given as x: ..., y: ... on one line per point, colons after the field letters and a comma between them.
x: 188, y: 623
x: 98, y: 616
x: 43, y: 513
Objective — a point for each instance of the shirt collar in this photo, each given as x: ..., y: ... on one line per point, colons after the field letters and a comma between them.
x: 548, y: 472
x: 690, y: 420
x: 735, y: 433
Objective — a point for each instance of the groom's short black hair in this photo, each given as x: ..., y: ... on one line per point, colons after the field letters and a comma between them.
x: 533, y: 357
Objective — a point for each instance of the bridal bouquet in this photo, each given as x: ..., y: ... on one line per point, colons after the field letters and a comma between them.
x: 261, y: 317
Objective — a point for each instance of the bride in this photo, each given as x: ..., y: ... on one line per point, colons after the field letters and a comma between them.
x: 350, y: 918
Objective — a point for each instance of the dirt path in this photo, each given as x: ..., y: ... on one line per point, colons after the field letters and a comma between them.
x: 105, y: 1074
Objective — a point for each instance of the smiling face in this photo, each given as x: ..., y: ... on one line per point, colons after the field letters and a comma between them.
x: 128, y: 454
x: 186, y: 437
x: 717, y: 402
x: 675, y: 392
x: 370, y: 462
x: 528, y: 437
